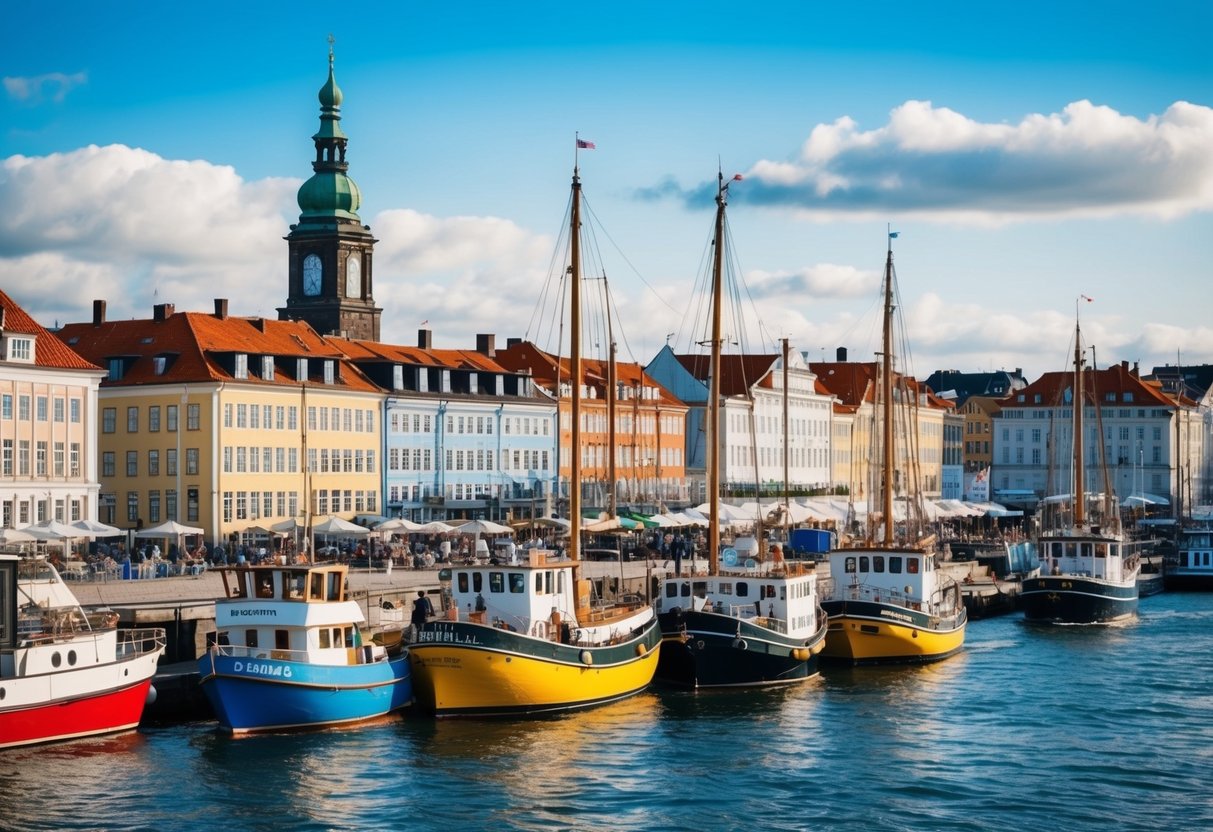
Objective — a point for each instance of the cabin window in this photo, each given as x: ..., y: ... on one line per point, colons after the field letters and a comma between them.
x: 462, y: 580
x: 265, y: 586
x: 1085, y: 549
x: 877, y: 563
x: 783, y: 592
x: 517, y: 582
x: 477, y: 581
x: 282, y: 640
x: 239, y: 590
x: 250, y: 638
x: 1101, y: 549
x: 849, y: 566
x: 743, y: 590
x: 349, y: 637
x: 547, y: 583
x: 317, y: 590
x: 864, y: 564
x: 496, y: 582
x: 671, y: 590
x: 1071, y: 549
x: 912, y: 565
x: 325, y: 640
x: 538, y: 583
x: 559, y: 583
x: 895, y: 565
x: 685, y: 590
x: 295, y: 586
x: 334, y: 587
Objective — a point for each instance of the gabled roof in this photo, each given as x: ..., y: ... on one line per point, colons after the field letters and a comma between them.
x: 544, y: 367
x: 738, y: 373
x: 357, y: 350
x: 855, y: 383
x: 194, y: 345
x: 49, y: 351
x: 997, y: 384
x: 1116, y: 381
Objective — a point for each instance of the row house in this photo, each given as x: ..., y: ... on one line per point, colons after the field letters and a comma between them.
x: 48, y: 425
x: 927, y: 432
x: 1148, y: 441
x: 464, y: 437
x: 756, y: 392
x: 646, y: 444
x: 228, y: 423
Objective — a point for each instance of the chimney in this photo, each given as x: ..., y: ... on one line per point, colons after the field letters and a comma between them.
x: 259, y: 323
x: 98, y: 312
x: 486, y: 345
x: 1136, y: 370
x: 162, y: 311
x: 1124, y: 365
x: 841, y: 355
x: 221, y: 308
x: 512, y: 342
x: 425, y: 339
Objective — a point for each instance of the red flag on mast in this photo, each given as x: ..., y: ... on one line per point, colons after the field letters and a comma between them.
x: 585, y: 145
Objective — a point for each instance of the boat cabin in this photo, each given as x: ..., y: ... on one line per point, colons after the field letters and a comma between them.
x: 900, y: 576
x: 532, y: 597
x: 290, y: 613
x: 1090, y: 557
x: 1196, y: 550
x: 784, y: 601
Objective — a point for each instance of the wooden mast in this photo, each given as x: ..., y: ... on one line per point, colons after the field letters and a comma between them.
x: 886, y: 390
x: 712, y: 423
x: 1080, y: 497
x: 575, y: 380
x: 787, y: 500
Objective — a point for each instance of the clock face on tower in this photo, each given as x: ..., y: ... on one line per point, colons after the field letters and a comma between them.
x: 311, y: 275
x: 353, y: 277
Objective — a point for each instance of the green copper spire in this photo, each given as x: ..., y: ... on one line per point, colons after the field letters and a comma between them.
x: 330, y: 193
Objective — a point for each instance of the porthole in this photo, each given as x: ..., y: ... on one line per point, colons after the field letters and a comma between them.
x: 56, y: 660
x: 71, y: 658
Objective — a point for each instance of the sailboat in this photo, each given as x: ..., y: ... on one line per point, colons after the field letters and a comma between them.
x: 888, y: 601
x: 748, y: 622
x: 526, y: 638
x: 1088, y: 571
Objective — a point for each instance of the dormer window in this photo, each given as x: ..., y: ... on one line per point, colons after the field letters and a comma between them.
x: 473, y: 383
x: 241, y: 370
x: 301, y: 369
x: 330, y: 371
x: 267, y: 368
x: 397, y: 377
x: 1128, y: 396
x: 159, y: 364
x: 20, y: 349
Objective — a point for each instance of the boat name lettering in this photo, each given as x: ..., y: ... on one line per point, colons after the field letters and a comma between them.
x: 900, y: 616
x: 446, y: 637
x: 236, y: 613
x: 259, y: 669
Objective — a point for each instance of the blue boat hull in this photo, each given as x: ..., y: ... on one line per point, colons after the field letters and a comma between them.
x: 250, y: 695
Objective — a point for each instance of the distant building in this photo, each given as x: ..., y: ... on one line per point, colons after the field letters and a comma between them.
x: 48, y: 425
x: 959, y: 387
x: 752, y: 426
x: 1155, y: 444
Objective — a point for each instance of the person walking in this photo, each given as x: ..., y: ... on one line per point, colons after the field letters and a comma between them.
x: 423, y: 610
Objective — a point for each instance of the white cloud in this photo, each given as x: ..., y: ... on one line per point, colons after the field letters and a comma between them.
x: 37, y: 88
x: 935, y: 163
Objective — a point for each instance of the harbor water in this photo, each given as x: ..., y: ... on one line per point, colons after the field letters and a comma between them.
x: 1074, y: 728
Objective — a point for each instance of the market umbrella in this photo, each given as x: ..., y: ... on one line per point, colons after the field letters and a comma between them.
x: 93, y: 528
x: 55, y: 530
x: 16, y: 536
x: 483, y: 527
x: 335, y: 525
x: 398, y: 524
x: 436, y: 527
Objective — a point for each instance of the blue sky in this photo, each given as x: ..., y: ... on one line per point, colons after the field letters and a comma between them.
x: 1026, y: 155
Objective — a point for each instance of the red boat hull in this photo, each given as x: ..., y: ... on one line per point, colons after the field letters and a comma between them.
x: 85, y: 716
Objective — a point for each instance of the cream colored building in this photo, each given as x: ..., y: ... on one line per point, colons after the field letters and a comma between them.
x: 48, y: 429
x: 231, y: 424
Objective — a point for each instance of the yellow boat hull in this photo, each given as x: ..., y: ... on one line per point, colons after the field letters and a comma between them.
x: 867, y: 640
x: 498, y: 677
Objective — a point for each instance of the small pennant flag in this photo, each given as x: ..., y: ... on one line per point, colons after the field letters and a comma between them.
x: 1087, y: 299
x: 426, y: 321
x: 893, y: 235
x: 737, y: 177
x: 585, y: 145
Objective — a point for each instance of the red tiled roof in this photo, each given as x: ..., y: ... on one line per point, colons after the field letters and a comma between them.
x: 194, y: 342
x: 49, y: 351
x: 1097, y: 385
x: 453, y: 359
x: 543, y: 367
x: 855, y: 383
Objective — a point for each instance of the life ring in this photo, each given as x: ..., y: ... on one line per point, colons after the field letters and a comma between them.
x: 740, y: 644
x: 587, y: 658
x: 641, y: 649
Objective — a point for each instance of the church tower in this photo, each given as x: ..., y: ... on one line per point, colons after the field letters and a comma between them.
x: 331, y: 251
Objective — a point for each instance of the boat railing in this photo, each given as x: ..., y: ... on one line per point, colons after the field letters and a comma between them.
x: 132, y: 643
